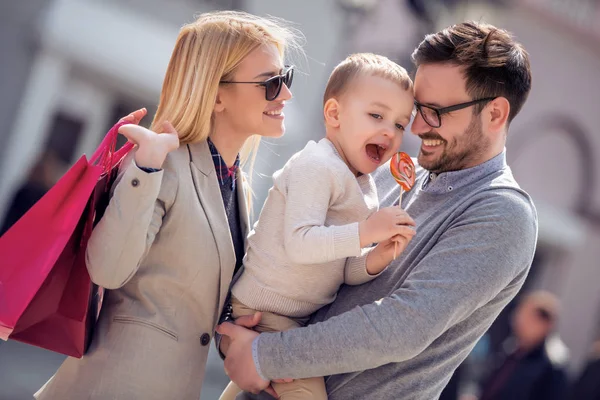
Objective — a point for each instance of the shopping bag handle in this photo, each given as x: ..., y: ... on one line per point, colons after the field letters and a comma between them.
x: 105, y: 155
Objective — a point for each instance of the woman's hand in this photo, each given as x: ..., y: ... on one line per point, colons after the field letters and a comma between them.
x: 135, y: 117
x: 152, y: 147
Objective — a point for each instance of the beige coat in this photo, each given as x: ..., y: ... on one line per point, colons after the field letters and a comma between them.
x: 164, y: 249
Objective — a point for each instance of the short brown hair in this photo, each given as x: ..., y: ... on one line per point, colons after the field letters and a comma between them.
x: 360, y: 64
x: 494, y: 63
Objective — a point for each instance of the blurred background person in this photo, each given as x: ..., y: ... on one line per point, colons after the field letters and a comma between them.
x: 587, y: 385
x: 532, y: 365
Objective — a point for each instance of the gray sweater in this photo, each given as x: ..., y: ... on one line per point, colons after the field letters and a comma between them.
x: 402, y: 335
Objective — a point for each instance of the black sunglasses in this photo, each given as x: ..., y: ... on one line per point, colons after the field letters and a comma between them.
x: 274, y: 84
x: 433, y: 116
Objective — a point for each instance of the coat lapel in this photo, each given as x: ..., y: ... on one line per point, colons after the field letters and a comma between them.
x: 209, y: 194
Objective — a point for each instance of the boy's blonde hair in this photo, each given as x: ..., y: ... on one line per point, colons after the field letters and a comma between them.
x: 206, y: 52
x: 360, y: 64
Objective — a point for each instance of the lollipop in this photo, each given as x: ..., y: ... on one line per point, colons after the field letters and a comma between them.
x: 403, y: 171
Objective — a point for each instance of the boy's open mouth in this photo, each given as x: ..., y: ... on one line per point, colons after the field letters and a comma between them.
x: 376, y: 151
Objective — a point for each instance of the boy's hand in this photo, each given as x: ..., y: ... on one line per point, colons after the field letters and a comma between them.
x: 383, y: 254
x: 385, y: 224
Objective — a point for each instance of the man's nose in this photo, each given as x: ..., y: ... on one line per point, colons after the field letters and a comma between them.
x: 419, y: 125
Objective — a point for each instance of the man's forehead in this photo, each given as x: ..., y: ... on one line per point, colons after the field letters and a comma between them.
x: 439, y: 83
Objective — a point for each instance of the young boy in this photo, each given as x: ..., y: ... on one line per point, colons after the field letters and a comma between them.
x: 320, y: 218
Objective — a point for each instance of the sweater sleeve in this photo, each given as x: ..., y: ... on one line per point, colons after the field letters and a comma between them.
x: 311, y: 187
x: 355, y: 270
x: 486, y: 250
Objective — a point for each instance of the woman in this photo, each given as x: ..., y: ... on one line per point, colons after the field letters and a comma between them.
x: 174, y: 231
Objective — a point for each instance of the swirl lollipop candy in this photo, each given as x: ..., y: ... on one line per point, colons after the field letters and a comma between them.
x: 403, y: 171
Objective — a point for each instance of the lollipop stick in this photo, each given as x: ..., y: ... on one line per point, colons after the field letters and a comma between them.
x: 399, y: 205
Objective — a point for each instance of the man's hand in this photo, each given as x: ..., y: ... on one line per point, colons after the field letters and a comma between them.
x: 239, y: 364
x: 247, y: 321
x: 385, y: 224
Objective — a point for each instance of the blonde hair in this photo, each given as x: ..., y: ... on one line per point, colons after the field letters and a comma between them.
x: 364, y: 64
x: 207, y: 51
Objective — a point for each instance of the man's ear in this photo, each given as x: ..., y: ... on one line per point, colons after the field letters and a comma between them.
x: 497, y: 115
x: 331, y: 112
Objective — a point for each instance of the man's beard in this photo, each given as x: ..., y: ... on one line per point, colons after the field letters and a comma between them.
x: 460, y: 152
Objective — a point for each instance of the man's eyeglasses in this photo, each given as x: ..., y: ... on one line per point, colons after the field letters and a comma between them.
x: 433, y: 116
x: 274, y: 84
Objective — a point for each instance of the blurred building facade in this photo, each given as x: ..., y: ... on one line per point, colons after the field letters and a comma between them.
x: 71, y: 68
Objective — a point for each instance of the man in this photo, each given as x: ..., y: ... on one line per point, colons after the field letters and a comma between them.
x: 587, y: 385
x: 404, y: 333
x: 532, y: 365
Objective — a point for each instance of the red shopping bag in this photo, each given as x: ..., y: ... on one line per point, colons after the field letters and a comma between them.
x: 46, y: 296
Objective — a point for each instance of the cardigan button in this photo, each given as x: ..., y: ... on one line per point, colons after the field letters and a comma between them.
x: 135, y: 182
